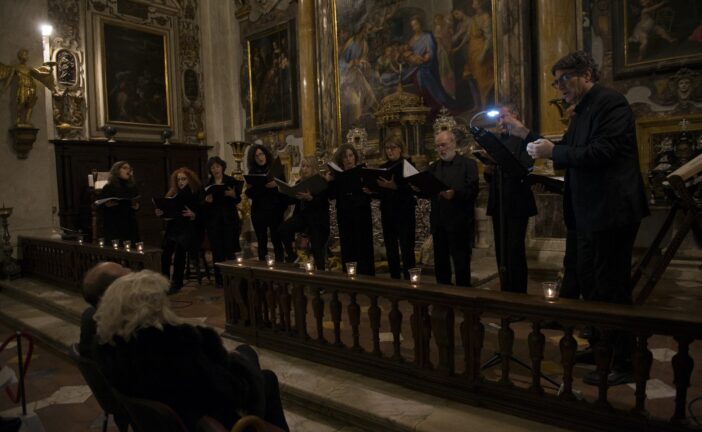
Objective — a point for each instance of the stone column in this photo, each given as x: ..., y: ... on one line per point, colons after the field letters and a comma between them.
x: 308, y: 75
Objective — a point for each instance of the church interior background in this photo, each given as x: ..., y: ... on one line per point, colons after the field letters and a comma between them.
x: 172, y: 82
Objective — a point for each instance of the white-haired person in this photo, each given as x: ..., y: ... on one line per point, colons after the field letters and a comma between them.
x: 145, y: 350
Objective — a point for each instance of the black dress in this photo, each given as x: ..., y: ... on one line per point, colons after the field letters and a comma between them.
x: 119, y: 222
x: 222, y: 224
x: 397, y: 215
x: 181, y: 236
x: 354, y: 219
x: 311, y: 217
x: 267, y: 209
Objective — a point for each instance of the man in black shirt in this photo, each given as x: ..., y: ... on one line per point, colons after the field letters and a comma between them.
x: 452, y: 211
x: 604, y: 198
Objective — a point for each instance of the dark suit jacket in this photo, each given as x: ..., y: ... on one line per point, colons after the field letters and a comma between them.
x: 457, y: 214
x: 517, y: 196
x: 88, y: 329
x: 603, y: 185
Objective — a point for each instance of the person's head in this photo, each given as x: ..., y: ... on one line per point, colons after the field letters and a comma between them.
x: 506, y: 110
x: 575, y: 74
x: 416, y: 23
x: 216, y: 166
x: 346, y: 156
x: 23, y: 55
x: 258, y: 156
x: 445, y: 142
x: 458, y: 14
x: 121, y: 171
x: 393, y: 148
x: 181, y: 178
x: 684, y: 86
x: 308, y: 166
x: 134, y: 301
x: 479, y: 5
x: 98, y: 278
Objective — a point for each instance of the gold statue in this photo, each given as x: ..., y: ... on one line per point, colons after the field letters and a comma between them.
x: 26, y: 89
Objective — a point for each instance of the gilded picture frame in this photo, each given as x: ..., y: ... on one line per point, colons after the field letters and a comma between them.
x: 378, y: 45
x: 272, y: 78
x: 655, y: 36
x: 134, y: 79
x: 650, y: 131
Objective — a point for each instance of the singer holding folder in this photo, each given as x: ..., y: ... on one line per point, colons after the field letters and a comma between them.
x: 119, y: 213
x: 452, y: 216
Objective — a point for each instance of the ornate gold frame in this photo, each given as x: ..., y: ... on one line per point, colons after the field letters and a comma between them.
x: 647, y: 127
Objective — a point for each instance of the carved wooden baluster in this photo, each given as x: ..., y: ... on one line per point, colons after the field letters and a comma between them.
x: 602, y: 352
x: 318, y: 310
x: 374, y: 318
x: 568, y: 346
x: 335, y: 309
x: 256, y: 302
x: 300, y: 310
x: 241, y: 295
x: 506, y: 340
x: 271, y: 301
x: 395, y: 317
x: 642, y: 360
x: 682, y: 369
x: 537, y: 343
x: 268, y: 319
x: 442, y: 322
x: 421, y: 333
x: 354, y: 311
x: 285, y: 306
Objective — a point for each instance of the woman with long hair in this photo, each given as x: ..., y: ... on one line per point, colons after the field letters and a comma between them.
x: 311, y: 215
x: 221, y: 216
x: 267, y: 204
x: 119, y: 211
x: 353, y: 212
x: 181, y: 231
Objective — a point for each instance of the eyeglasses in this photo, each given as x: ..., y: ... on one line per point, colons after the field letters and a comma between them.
x: 563, y: 79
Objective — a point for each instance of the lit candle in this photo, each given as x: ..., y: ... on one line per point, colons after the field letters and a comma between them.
x: 415, y: 275
x: 101, y: 242
x: 550, y: 290
x: 270, y: 260
x: 140, y: 247
x: 80, y: 240
x: 239, y: 257
x: 309, y: 266
x: 351, y: 269
x: 127, y: 245
x: 115, y: 244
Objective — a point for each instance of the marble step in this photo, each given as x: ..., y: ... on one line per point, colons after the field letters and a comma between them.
x: 318, y: 397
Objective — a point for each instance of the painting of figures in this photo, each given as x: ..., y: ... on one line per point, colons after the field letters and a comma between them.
x: 656, y: 35
x: 442, y: 51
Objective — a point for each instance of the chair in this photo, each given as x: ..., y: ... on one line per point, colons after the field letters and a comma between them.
x: 101, y: 390
x: 150, y: 415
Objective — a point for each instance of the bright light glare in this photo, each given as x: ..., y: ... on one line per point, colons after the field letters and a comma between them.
x: 493, y: 113
x: 46, y: 29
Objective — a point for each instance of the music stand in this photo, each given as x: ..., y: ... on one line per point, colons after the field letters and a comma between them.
x: 505, y: 164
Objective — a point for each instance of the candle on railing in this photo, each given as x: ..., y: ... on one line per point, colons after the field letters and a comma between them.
x: 80, y: 240
x: 101, y: 242
x: 270, y: 260
x: 115, y: 244
x: 415, y: 275
x: 551, y: 290
x: 127, y: 245
x: 351, y: 269
x: 309, y: 266
x: 140, y: 247
x: 239, y: 257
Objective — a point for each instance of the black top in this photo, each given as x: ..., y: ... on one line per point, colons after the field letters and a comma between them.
x: 517, y: 196
x: 182, y: 229
x: 347, y: 189
x: 398, y: 201
x: 119, y: 222
x: 223, y: 211
x: 315, y: 212
x: 265, y: 199
x: 603, y: 185
x: 183, y: 366
x: 457, y: 214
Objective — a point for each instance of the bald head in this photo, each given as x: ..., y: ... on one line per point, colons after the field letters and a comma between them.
x: 98, y: 278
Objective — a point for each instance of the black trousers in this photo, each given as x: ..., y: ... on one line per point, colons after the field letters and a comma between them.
x: 173, y: 252
x: 223, y: 243
x: 603, y: 261
x: 262, y: 222
x: 456, y: 246
x: 399, y: 231
x: 318, y: 235
x: 515, y: 275
x: 356, y: 238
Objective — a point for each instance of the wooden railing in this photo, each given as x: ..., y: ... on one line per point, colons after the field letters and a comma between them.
x: 65, y: 262
x: 328, y: 318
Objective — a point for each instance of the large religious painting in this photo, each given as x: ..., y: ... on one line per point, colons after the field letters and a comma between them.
x: 656, y: 35
x: 443, y: 51
x: 135, y: 75
x: 272, y: 95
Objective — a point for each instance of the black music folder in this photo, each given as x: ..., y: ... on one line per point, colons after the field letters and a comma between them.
x: 507, y: 162
x: 370, y: 176
x: 171, y: 207
x: 427, y: 183
x: 314, y: 185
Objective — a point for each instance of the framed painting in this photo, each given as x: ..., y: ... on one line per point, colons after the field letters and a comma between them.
x: 655, y: 35
x: 272, y: 66
x: 443, y: 51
